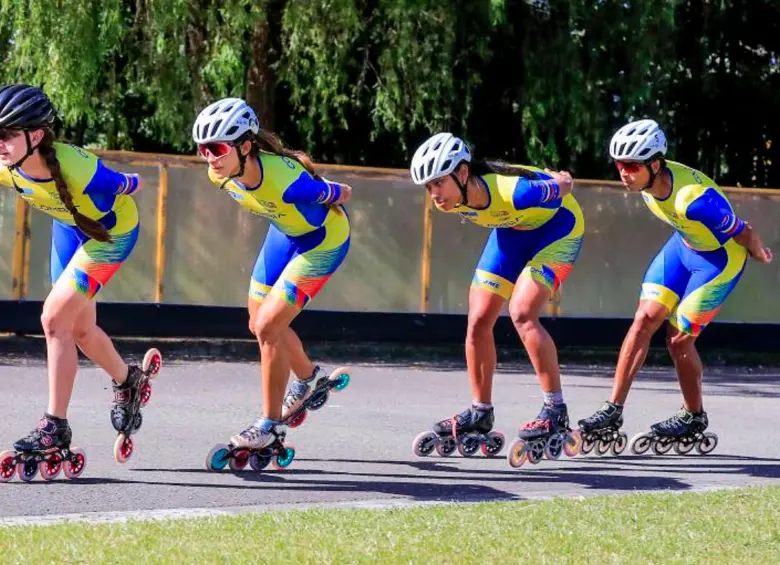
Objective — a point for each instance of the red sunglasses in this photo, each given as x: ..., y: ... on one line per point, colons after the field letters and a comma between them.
x: 631, y: 167
x: 216, y: 149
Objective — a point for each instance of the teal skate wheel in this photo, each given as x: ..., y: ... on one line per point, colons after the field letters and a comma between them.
x: 218, y: 458
x: 284, y: 459
x: 340, y: 378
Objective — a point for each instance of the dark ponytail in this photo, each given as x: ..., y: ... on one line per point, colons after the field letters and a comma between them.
x: 268, y: 141
x: 90, y: 227
x: 481, y: 167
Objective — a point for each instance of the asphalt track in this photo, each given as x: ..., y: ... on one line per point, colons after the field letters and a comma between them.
x: 357, y: 449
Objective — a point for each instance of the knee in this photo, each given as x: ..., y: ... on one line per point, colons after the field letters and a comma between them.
x: 479, y: 325
x: 54, y: 324
x: 268, y: 331
x: 646, y: 322
x: 523, y: 318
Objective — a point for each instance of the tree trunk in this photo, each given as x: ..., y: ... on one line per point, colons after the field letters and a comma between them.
x: 264, y: 53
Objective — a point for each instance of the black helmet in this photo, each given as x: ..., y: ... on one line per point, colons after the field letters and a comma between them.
x: 25, y: 107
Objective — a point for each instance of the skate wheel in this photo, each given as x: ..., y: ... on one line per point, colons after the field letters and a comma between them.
x: 619, y: 446
x: 239, y: 460
x: 297, y: 420
x: 587, y: 445
x: 446, y: 446
x: 50, y: 468
x: 424, y: 444
x: 682, y: 447
x: 257, y: 462
x: 572, y: 446
x: 640, y: 443
x: 707, y: 443
x: 145, y: 390
x: 518, y: 454
x: 27, y: 469
x: 494, y: 444
x: 341, y: 378
x: 662, y: 446
x: 535, y: 451
x: 7, y: 465
x: 218, y: 457
x: 152, y: 362
x: 468, y: 447
x: 284, y: 459
x: 603, y: 446
x: 74, y: 465
x: 123, y: 448
x: 553, y: 447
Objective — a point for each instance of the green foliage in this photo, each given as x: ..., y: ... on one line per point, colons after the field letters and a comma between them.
x: 363, y: 81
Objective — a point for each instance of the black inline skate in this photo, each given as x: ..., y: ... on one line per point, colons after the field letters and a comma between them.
x: 546, y: 435
x: 129, y: 398
x: 45, y: 449
x: 601, y: 431
x: 684, y: 432
x: 466, y: 432
x: 258, y: 445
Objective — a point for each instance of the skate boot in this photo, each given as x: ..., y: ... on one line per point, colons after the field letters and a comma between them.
x: 546, y: 435
x: 684, y: 432
x: 311, y: 394
x: 467, y: 432
x: 602, y: 431
x: 45, y: 449
x: 258, y: 445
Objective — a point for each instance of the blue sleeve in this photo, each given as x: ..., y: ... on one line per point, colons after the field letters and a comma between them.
x: 534, y: 193
x: 107, y: 182
x: 308, y: 190
x: 714, y: 211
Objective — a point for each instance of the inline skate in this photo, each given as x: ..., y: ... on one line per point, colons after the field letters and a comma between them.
x: 257, y: 446
x: 129, y: 398
x: 45, y: 449
x: 311, y: 395
x: 683, y: 432
x: 601, y: 431
x: 547, y: 435
x: 467, y: 432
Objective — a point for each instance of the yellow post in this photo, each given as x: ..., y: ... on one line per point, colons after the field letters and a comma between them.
x: 20, y: 261
x: 162, y: 198
x: 426, y: 252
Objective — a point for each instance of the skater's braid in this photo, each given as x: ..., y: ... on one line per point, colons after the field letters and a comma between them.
x: 90, y: 227
x: 482, y: 167
x: 270, y: 142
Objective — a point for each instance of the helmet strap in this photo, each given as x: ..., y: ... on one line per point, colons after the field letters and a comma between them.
x: 27, y: 154
x: 652, y: 176
x: 462, y: 188
x: 241, y: 166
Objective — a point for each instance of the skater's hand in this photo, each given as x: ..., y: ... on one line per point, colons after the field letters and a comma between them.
x: 346, y: 194
x: 564, y: 180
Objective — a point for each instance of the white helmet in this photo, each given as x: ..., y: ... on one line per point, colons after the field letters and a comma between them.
x: 638, y: 141
x: 224, y: 120
x: 438, y: 157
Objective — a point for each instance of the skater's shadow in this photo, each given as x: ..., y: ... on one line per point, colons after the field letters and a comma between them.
x: 436, y: 481
x: 713, y: 464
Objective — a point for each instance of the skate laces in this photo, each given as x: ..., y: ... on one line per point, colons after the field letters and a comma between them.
x: 298, y: 390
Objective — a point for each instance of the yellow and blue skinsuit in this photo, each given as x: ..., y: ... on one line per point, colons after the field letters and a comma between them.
x: 535, y: 232
x: 100, y: 194
x: 700, y: 264
x: 308, y: 237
